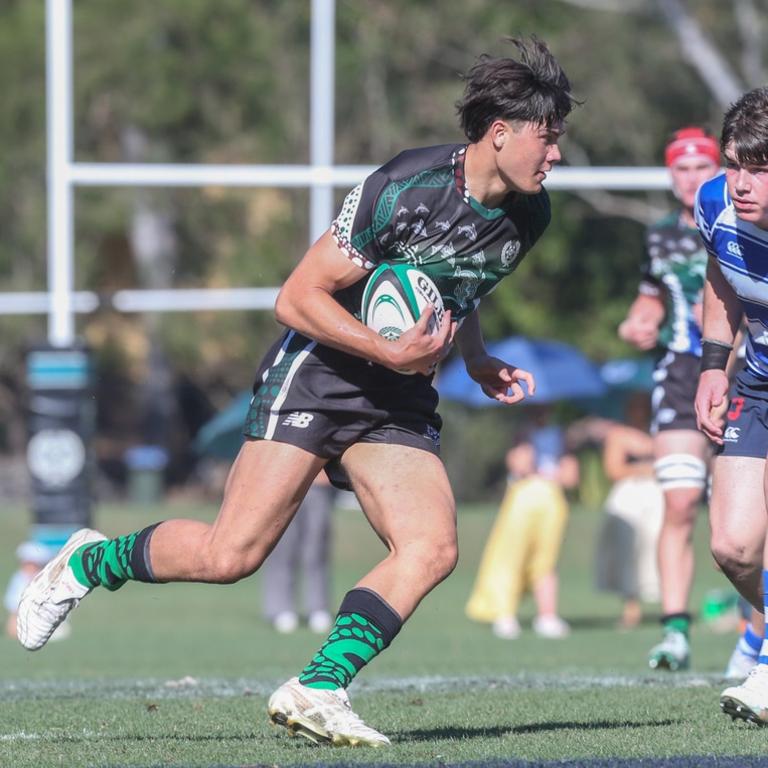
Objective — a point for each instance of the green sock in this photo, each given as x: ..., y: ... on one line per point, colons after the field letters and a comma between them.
x: 678, y: 622
x: 365, y: 626
x: 352, y: 643
x: 112, y: 562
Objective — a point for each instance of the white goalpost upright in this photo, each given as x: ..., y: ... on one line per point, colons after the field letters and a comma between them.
x: 61, y: 302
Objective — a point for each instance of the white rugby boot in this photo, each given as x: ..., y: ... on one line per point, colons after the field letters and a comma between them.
x: 672, y: 653
x: 748, y: 701
x: 740, y: 664
x: 52, y: 594
x: 322, y: 716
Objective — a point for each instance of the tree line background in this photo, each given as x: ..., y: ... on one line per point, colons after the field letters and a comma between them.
x: 227, y: 81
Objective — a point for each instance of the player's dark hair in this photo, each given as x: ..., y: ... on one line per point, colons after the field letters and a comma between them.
x: 530, y: 88
x: 745, y: 127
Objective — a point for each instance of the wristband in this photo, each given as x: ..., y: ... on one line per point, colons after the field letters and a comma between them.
x: 714, y: 354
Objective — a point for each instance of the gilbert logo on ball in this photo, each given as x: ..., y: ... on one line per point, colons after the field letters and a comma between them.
x: 394, y: 298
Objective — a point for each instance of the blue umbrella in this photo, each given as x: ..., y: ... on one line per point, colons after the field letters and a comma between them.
x: 222, y: 436
x: 561, y: 372
x: 626, y: 374
x: 623, y: 377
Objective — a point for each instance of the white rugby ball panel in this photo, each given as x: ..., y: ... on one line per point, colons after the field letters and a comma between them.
x: 426, y: 294
x: 388, y: 307
x: 394, y: 298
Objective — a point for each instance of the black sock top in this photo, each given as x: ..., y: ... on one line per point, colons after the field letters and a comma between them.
x: 373, y: 607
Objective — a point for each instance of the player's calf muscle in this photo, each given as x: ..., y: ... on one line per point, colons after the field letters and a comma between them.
x: 187, y: 550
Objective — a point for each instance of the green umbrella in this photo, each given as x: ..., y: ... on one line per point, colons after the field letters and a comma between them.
x: 222, y: 436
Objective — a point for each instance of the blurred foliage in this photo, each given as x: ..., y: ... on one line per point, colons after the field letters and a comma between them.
x: 227, y: 81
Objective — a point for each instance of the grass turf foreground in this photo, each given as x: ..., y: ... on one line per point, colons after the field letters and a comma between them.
x: 179, y: 675
x: 528, y: 720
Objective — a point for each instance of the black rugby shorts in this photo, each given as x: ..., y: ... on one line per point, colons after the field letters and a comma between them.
x: 324, y: 400
x: 676, y: 377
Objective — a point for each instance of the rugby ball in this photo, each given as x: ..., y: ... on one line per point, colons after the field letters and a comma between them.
x: 394, y: 298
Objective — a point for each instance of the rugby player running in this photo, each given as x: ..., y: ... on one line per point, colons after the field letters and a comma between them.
x: 666, y: 315
x: 328, y: 394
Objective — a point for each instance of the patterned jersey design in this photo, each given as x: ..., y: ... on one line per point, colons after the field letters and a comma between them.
x: 417, y: 210
x: 741, y: 251
x: 676, y: 270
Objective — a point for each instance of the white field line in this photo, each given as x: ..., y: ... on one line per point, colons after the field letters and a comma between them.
x: 21, y: 736
x: 24, y: 736
x: 190, y: 687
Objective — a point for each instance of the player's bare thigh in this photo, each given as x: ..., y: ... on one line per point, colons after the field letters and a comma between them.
x: 685, y: 441
x: 407, y: 498
x: 737, y: 509
x: 266, y: 484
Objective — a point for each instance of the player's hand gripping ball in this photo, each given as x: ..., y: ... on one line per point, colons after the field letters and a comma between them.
x: 394, y: 298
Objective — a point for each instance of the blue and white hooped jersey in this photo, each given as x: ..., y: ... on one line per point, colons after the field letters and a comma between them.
x: 741, y: 250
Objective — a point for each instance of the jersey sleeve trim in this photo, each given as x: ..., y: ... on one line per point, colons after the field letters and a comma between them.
x: 341, y: 229
x: 648, y: 288
x: 711, y: 200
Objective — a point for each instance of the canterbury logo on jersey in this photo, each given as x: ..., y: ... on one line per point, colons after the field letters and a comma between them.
x: 298, y: 419
x: 734, y: 248
x: 732, y: 434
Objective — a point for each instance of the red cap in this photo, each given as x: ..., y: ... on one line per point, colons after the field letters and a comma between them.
x: 689, y: 142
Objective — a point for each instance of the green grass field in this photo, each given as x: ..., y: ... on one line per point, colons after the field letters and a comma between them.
x: 178, y: 675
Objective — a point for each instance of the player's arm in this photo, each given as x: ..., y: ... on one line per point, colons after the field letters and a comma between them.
x: 620, y: 443
x: 306, y: 304
x: 645, y: 316
x: 735, y: 361
x: 722, y: 315
x: 498, y: 380
x: 697, y: 310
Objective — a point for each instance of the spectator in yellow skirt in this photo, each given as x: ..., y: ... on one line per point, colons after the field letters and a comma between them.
x: 523, y: 547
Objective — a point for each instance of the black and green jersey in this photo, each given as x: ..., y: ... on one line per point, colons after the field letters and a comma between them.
x: 417, y: 210
x: 675, y: 270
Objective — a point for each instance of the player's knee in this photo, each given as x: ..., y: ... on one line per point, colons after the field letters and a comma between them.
x: 439, y: 559
x: 228, y: 567
x: 449, y: 559
x: 733, y: 555
x: 680, y: 510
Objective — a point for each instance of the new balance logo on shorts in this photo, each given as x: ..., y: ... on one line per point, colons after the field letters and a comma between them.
x: 433, y: 434
x: 298, y: 419
x: 731, y: 434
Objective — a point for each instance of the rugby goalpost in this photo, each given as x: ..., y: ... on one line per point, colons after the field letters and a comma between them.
x: 321, y: 176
